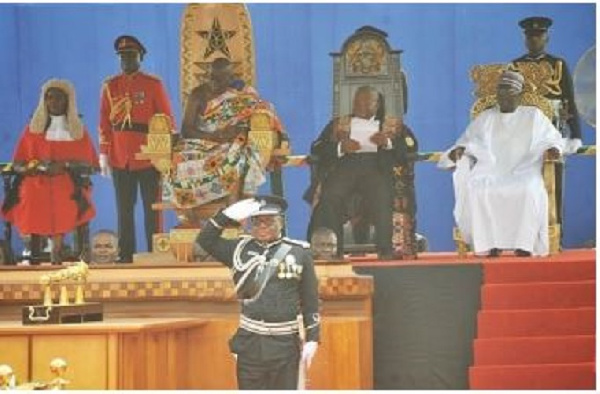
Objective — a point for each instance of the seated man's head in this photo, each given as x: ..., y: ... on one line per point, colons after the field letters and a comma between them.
x: 323, y: 243
x: 267, y: 223
x: 509, y: 91
x: 105, y: 247
x: 221, y: 74
x: 366, y: 102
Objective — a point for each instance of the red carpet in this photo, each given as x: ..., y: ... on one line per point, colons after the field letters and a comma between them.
x: 541, y: 350
x: 537, y: 323
x: 550, y: 295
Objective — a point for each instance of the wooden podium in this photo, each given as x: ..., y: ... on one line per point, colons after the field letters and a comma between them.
x: 135, y: 353
x: 168, y: 326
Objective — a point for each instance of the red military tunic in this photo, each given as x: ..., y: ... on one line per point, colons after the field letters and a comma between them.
x: 128, y: 102
x: 45, y: 205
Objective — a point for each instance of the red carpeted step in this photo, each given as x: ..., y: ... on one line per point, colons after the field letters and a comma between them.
x: 543, y: 322
x: 533, y: 377
x: 538, y: 295
x: 539, y: 271
x: 535, y: 350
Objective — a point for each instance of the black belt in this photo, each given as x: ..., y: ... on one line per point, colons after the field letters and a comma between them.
x: 137, y: 127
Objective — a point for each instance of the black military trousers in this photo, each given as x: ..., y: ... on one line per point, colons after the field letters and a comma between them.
x: 126, y: 185
x: 357, y: 173
x: 280, y: 374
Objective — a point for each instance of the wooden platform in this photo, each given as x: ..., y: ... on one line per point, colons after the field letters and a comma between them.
x: 570, y: 255
x: 202, y: 291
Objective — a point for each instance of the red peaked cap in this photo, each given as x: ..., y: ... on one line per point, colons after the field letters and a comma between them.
x: 129, y: 43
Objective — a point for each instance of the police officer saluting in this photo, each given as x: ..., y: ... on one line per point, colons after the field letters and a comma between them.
x: 276, y: 283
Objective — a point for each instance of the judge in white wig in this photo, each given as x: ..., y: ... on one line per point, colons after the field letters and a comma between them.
x: 51, y: 195
x: 501, y: 202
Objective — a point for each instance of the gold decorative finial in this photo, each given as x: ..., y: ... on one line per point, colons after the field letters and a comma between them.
x: 58, y: 367
x: 6, y: 377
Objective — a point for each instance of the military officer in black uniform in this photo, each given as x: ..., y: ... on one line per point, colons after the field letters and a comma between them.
x: 559, y: 92
x: 277, y: 286
x: 560, y: 88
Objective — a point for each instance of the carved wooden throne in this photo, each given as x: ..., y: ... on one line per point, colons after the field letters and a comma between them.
x: 208, y: 31
x: 368, y: 59
x: 486, y: 78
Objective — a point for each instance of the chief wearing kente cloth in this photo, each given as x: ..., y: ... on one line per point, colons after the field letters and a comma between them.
x: 216, y: 159
x: 128, y: 102
x: 276, y: 282
x: 51, y: 196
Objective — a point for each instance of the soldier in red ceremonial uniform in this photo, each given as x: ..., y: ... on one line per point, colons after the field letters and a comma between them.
x: 51, y: 193
x: 128, y: 102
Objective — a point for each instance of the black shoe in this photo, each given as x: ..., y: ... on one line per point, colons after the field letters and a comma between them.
x: 522, y: 253
x: 494, y: 252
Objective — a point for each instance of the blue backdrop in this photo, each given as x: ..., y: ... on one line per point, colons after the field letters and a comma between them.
x: 441, y: 42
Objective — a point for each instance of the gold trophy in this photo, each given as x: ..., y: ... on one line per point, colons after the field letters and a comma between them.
x: 58, y: 368
x: 64, y: 311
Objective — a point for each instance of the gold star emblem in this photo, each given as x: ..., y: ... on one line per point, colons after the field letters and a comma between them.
x: 217, y: 39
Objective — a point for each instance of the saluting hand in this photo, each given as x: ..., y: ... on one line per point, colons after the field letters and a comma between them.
x: 242, y: 209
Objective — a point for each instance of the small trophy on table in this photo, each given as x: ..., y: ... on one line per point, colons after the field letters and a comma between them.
x: 64, y: 311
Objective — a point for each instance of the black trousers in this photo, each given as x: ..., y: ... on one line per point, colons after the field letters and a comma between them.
x: 280, y: 374
x: 126, y: 185
x: 357, y: 173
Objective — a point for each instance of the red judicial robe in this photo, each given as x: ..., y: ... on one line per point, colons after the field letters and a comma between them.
x: 45, y: 204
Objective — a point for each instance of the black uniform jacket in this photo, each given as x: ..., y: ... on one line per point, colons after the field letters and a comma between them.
x: 292, y: 289
x: 564, y: 89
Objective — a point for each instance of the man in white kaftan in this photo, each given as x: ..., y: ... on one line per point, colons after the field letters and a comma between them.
x: 501, y: 201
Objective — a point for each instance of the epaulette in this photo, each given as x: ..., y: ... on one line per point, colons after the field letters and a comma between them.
x: 302, y: 244
x: 110, y: 78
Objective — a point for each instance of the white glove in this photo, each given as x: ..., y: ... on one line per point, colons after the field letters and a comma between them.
x: 242, y: 209
x: 571, y: 146
x: 104, y: 167
x: 308, y: 352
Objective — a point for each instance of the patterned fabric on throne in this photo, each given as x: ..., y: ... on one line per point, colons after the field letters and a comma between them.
x: 206, y: 171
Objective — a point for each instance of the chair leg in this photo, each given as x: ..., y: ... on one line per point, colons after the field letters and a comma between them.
x: 461, y: 246
x: 26, y: 256
x: 82, y: 242
x: 56, y: 250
